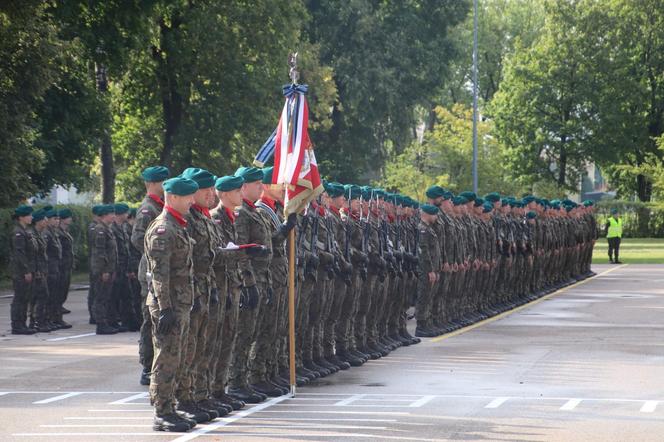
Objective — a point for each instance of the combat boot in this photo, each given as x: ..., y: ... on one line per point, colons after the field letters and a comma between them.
x: 326, y: 364
x: 19, y: 328
x: 226, y: 399
x: 343, y: 365
x: 245, y: 395
x: 41, y: 328
x: 212, y: 409
x: 145, y: 377
x: 103, y: 329
x: 189, y: 410
x: 170, y: 422
x: 268, y: 389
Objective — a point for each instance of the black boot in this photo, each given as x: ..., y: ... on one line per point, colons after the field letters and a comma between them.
x: 145, y: 377
x: 189, y: 410
x: 226, y: 399
x: 104, y: 329
x: 19, y: 328
x: 268, y: 389
x: 245, y: 395
x: 170, y: 422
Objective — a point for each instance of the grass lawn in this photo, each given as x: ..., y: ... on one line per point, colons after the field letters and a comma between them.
x: 632, y: 251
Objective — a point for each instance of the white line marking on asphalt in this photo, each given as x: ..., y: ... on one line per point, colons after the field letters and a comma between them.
x: 649, y: 406
x: 88, y: 418
x: 349, y: 400
x: 154, y: 433
x: 335, y: 419
x: 497, y: 402
x: 64, y: 338
x: 570, y: 405
x: 122, y: 410
x: 95, y: 425
x: 2, y: 393
x: 57, y: 398
x: 376, y: 413
x: 225, y: 421
x: 129, y: 399
x: 422, y: 401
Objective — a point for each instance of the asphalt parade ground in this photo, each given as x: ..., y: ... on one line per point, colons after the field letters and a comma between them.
x: 585, y: 363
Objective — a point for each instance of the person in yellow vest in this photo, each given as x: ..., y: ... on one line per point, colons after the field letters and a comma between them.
x: 613, y: 235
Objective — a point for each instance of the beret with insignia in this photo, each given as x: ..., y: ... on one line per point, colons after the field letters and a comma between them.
x: 202, y: 177
x: 180, y: 186
x: 228, y: 183
x: 250, y: 174
x: 23, y: 210
x: 155, y: 174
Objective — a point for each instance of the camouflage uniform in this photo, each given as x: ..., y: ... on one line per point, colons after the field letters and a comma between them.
x: 24, y: 248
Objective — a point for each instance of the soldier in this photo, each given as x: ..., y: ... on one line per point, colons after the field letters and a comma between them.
x: 429, y: 261
x: 229, y: 284
x: 23, y: 259
x: 192, y: 389
x: 121, y: 304
x: 66, y: 264
x: 37, y: 309
x: 151, y: 206
x: 104, y: 264
x: 90, y: 238
x: 132, y: 272
x: 54, y: 255
x: 168, y: 255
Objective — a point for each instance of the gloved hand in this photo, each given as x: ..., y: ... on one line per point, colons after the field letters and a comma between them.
x: 251, y: 296
x: 363, y: 274
x: 197, y: 306
x: 229, y: 301
x: 214, y: 296
x: 166, y: 322
x: 258, y: 251
x: 289, y: 225
x: 330, y: 272
x: 313, y: 262
x: 270, y: 294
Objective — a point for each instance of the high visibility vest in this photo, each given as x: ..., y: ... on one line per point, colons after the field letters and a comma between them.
x: 615, y: 228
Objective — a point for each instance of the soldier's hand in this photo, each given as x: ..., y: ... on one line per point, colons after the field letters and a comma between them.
x: 250, y: 297
x: 313, y: 262
x: 105, y: 277
x: 214, y: 297
x: 229, y: 301
x: 258, y: 251
x: 166, y: 322
x: 28, y: 277
x: 432, y: 277
x: 270, y: 295
x: 197, y: 306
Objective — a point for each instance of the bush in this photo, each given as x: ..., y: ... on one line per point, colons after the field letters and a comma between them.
x: 81, y: 218
x: 640, y: 220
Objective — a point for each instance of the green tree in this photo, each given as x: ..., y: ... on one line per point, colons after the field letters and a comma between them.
x: 28, y: 43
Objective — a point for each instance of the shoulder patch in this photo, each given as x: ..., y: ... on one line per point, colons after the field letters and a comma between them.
x: 161, y: 230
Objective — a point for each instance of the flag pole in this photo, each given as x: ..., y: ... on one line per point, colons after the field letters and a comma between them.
x: 294, y: 76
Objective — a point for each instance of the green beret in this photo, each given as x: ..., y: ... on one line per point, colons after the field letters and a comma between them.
x: 50, y: 213
x: 23, y: 210
x: 459, y: 200
x: 588, y: 203
x: 352, y: 191
x: 155, y: 174
x: 492, y: 197
x: 434, y: 192
x: 614, y: 211
x: 250, y: 174
x: 132, y: 212
x: 447, y: 195
x: 202, y: 177
x: 531, y: 215
x: 47, y: 208
x: 106, y: 209
x: 228, y: 183
x: 38, y: 215
x: 470, y: 196
x: 487, y: 207
x: 180, y: 186
x: 479, y: 202
x: 95, y: 209
x: 528, y: 199
x: 335, y: 190
x: 429, y: 208
x: 267, y: 175
x: 121, y: 208
x: 367, y: 192
x: 64, y: 213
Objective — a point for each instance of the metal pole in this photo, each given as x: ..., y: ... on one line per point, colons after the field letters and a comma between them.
x: 475, y: 96
x: 291, y: 310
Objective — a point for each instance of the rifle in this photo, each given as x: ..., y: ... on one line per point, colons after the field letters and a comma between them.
x: 311, y: 265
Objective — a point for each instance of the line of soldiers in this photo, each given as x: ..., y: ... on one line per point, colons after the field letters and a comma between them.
x: 114, y: 301
x: 214, y: 279
x: 42, y: 259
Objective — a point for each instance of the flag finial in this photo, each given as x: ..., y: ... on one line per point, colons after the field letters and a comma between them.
x: 292, y: 63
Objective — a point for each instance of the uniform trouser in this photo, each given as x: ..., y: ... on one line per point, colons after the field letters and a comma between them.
x: 266, y: 337
x: 204, y: 367
x: 344, y: 339
x: 305, y: 295
x: 424, y: 302
x: 614, y: 247
x: 122, y: 299
x: 320, y: 339
x: 375, y: 317
x: 136, y: 304
x: 244, y: 353
x: 282, y: 346
x: 103, y: 297
x: 278, y: 350
x: 65, y: 283
x: 21, y: 300
x: 91, y: 296
x: 317, y: 300
x: 338, y: 295
x: 168, y: 355
x: 365, y: 298
x: 221, y: 363
x: 53, y: 281
x: 195, y: 344
x: 145, y: 347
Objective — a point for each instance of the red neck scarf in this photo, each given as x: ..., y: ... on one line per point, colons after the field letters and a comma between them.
x: 230, y: 214
x: 204, y: 210
x: 272, y: 204
x: 335, y: 211
x: 156, y: 199
x: 249, y: 203
x: 175, y: 214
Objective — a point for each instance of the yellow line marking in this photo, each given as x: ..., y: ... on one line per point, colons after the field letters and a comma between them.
x: 522, y: 307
